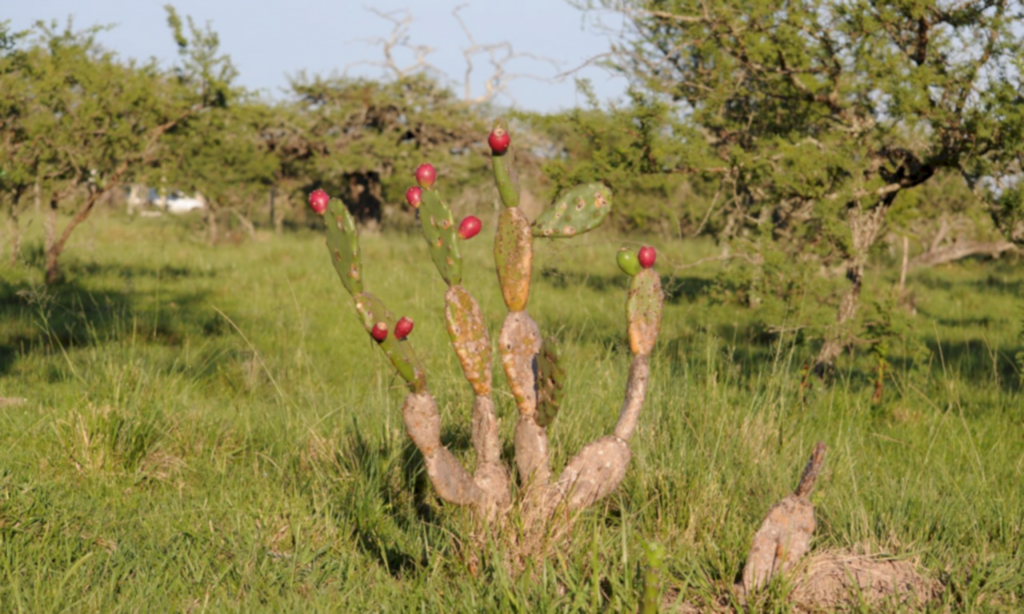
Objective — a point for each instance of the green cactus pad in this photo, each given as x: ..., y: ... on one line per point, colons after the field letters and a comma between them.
x: 503, y: 174
x: 550, y: 382
x: 372, y: 310
x: 467, y: 330
x: 643, y: 311
x: 579, y: 210
x: 441, y: 234
x: 343, y: 243
x: 513, y: 255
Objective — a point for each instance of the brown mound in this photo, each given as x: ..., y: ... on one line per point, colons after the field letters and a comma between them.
x: 838, y: 579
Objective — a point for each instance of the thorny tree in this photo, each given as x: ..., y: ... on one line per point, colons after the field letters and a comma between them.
x: 81, y: 122
x: 815, y: 115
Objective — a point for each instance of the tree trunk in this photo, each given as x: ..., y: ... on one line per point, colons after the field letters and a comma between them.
x: 52, y: 254
x: 211, y: 222
x: 958, y: 250
x: 15, y: 235
x: 55, y: 248
x: 273, y: 217
x: 865, y: 226
x: 279, y: 216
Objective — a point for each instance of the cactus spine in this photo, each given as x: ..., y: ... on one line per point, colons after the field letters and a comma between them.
x: 532, y: 363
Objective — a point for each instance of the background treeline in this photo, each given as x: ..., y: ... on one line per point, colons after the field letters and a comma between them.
x: 804, y: 141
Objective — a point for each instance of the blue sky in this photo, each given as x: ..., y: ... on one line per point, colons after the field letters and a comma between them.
x: 268, y: 40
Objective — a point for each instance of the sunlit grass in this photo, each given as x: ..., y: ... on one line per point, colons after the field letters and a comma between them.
x: 210, y: 429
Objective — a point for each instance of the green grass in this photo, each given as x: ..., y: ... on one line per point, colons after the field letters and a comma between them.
x: 209, y: 429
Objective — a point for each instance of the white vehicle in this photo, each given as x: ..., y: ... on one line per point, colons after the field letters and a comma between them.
x: 179, y: 203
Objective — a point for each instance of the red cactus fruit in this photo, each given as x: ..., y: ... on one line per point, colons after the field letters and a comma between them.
x: 470, y: 227
x: 425, y: 175
x: 647, y: 256
x: 318, y: 200
x: 499, y: 141
x: 414, y: 196
x: 379, y: 332
x: 403, y: 328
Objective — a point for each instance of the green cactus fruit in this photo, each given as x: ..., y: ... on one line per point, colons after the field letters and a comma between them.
x: 513, y: 255
x: 371, y: 312
x: 503, y: 173
x: 467, y: 330
x: 643, y: 311
x: 627, y: 261
x: 343, y: 243
x: 440, y: 232
x: 550, y: 382
x: 579, y: 210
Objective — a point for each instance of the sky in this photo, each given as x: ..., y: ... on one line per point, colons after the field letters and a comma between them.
x: 270, y: 40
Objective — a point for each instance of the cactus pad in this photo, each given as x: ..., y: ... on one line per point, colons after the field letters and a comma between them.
x: 513, y: 255
x: 372, y: 310
x: 440, y: 232
x: 468, y: 332
x: 579, y: 210
x: 343, y: 243
x: 643, y: 311
x: 519, y: 342
x: 503, y: 174
x: 550, y: 382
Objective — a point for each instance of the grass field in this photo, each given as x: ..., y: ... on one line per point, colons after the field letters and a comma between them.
x: 209, y: 429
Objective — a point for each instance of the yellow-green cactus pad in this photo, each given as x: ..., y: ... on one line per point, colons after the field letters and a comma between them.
x: 468, y: 332
x: 343, y: 243
x: 643, y: 311
x: 513, y: 255
x: 441, y: 234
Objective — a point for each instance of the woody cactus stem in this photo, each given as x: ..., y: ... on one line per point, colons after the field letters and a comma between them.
x: 467, y: 331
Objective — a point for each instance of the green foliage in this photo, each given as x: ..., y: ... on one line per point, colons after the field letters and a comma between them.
x: 79, y: 119
x: 631, y: 150
x: 815, y: 117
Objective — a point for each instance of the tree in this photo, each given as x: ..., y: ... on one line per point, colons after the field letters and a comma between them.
x: 816, y: 115
x: 16, y: 171
x: 83, y: 121
x: 220, y: 152
x: 365, y: 138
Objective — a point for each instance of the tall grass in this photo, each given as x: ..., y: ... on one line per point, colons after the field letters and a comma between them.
x: 209, y: 429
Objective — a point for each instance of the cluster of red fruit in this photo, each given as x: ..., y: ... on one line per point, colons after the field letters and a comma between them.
x: 425, y: 177
x: 402, y: 329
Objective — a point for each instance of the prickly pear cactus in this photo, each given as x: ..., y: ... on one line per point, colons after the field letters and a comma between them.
x: 513, y: 255
x: 533, y: 365
x: 579, y: 210
x: 371, y: 311
x: 550, y: 382
x: 468, y: 333
x: 343, y: 242
x: 441, y: 234
x: 643, y: 311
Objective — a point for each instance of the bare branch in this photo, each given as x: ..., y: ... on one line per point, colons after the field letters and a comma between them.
x: 398, y: 39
